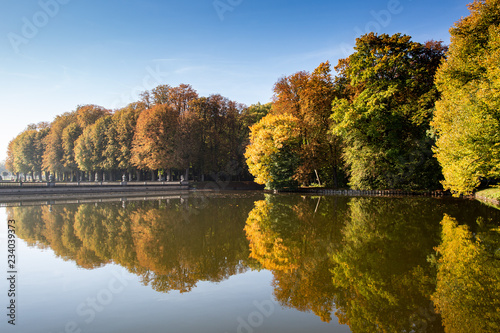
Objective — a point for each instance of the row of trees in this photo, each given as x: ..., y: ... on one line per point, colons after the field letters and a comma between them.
x: 170, y: 131
x: 371, y: 122
x: 398, y: 114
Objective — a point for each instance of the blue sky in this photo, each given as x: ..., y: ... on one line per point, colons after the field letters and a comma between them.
x: 57, y: 54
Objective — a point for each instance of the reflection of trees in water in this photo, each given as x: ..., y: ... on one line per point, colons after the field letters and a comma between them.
x: 468, y: 279
x: 171, y: 246
x: 369, y: 260
x: 375, y: 251
x: 381, y: 269
x: 292, y: 236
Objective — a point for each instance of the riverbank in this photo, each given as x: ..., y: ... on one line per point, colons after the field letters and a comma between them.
x: 357, y: 193
x: 26, y: 191
x: 490, y: 196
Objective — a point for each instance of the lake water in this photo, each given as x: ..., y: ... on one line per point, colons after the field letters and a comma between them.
x: 253, y: 262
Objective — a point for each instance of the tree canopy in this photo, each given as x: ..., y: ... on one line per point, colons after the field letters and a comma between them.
x: 171, y: 129
x: 396, y: 114
x: 467, y: 118
x: 383, y: 112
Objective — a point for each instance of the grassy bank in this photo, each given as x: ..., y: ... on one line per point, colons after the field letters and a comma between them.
x: 490, y: 195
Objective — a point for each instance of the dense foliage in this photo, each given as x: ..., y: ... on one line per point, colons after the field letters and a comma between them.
x: 293, y: 145
x: 467, y: 118
x: 398, y: 115
x: 170, y: 132
x: 385, y: 104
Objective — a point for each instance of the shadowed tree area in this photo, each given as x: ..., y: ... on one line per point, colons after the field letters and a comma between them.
x: 381, y: 269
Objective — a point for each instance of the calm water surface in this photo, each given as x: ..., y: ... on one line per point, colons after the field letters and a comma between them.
x: 250, y: 262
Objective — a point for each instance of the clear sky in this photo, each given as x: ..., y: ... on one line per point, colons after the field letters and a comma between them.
x: 57, y: 54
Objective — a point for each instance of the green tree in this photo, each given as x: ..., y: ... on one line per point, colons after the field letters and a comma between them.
x: 121, y: 136
x: 90, y: 148
x: 252, y: 114
x: 380, y: 269
x: 383, y: 114
x: 213, y: 129
x: 467, y: 118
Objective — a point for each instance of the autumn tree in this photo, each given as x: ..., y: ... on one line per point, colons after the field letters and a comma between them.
x: 70, y: 135
x: 467, y: 118
x: 53, y: 156
x: 308, y: 97
x: 121, y: 135
x: 180, y: 97
x: 90, y: 148
x: 87, y: 115
x: 24, y: 154
x: 153, y: 145
x: 249, y: 117
x: 59, y: 155
x: 214, y: 131
x: 273, y: 153
x: 291, y: 236
x: 176, y: 97
x: 383, y: 113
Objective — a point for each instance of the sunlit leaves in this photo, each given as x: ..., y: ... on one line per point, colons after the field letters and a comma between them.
x: 467, y: 117
x: 308, y: 97
x: 272, y: 155
x: 154, y: 136
x: 386, y: 102
x: 468, y: 287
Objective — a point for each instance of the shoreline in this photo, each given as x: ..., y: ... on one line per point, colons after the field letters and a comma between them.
x: 81, y: 192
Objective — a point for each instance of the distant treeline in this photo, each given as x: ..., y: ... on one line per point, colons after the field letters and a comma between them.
x: 397, y: 115
x: 170, y: 132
